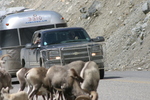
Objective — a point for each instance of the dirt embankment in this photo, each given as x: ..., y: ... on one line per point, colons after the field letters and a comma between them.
x: 122, y: 23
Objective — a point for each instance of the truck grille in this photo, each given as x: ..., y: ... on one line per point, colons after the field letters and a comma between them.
x: 75, y: 53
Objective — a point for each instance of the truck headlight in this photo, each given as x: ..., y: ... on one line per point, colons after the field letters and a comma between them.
x: 93, y: 54
x: 96, y: 50
x: 54, y: 55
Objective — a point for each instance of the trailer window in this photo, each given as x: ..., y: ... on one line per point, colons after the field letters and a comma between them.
x: 61, y: 25
x: 9, y: 38
x: 26, y: 33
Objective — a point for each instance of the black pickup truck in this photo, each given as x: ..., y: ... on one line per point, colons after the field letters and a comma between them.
x: 62, y: 46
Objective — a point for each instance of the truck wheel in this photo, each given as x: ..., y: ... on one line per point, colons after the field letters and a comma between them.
x: 23, y: 63
x: 41, y: 62
x: 102, y: 72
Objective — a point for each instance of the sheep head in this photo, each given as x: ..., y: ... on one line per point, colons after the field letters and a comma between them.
x: 74, y: 75
x: 2, y: 57
x: 5, y: 90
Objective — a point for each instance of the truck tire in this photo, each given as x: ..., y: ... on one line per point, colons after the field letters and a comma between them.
x: 23, y: 63
x: 102, y: 72
x: 41, y: 63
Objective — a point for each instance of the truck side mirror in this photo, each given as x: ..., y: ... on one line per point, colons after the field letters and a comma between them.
x: 98, y: 39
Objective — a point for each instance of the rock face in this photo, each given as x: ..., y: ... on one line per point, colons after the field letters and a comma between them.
x: 124, y: 24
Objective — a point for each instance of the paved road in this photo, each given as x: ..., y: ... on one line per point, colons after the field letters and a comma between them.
x: 126, y: 85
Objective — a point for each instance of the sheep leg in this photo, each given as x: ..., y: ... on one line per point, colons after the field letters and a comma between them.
x: 22, y: 86
x: 51, y: 93
x: 34, y: 90
x: 29, y: 89
x: 43, y: 97
x: 36, y: 97
x: 56, y: 95
x: 63, y: 98
x: 48, y: 96
x: 61, y: 95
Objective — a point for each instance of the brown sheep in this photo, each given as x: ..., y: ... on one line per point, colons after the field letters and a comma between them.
x: 68, y: 80
x: 57, y: 76
x: 89, y: 71
x: 90, y: 74
x: 5, y: 79
x: 34, y: 78
x: 14, y: 96
x: 21, y: 78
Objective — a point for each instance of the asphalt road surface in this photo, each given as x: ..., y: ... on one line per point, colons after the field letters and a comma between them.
x: 125, y: 85
x: 119, y: 85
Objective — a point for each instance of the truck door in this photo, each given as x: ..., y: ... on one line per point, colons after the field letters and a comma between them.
x: 34, y: 57
x: 34, y: 53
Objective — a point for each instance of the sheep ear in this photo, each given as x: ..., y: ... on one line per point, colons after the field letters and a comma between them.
x: 75, y: 75
x: 2, y: 90
x: 78, y: 78
x: 5, y: 90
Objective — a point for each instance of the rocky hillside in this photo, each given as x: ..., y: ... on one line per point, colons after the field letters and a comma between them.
x: 124, y: 24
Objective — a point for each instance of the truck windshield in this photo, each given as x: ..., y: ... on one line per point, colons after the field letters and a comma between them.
x: 65, y: 36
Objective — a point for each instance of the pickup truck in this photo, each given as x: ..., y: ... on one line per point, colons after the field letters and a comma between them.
x: 62, y: 46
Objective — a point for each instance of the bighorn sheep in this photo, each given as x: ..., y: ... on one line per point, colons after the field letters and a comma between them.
x: 59, y: 77
x: 69, y: 80
x: 14, y: 96
x: 90, y: 74
x: 1, y: 59
x: 88, y: 71
x: 62, y: 77
x: 34, y: 78
x: 5, y: 77
x: 21, y: 78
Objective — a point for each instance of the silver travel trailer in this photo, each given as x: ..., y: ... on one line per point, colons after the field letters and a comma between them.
x: 16, y: 30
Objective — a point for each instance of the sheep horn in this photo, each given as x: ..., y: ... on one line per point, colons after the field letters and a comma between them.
x: 94, y: 95
x: 1, y: 58
x: 83, y: 97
